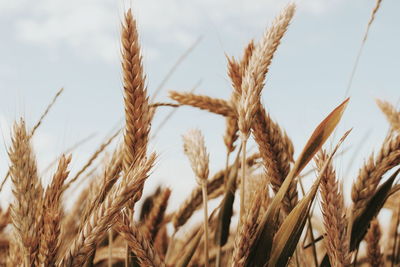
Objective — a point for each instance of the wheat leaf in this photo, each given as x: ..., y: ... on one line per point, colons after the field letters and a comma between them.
x: 374, y: 205
x: 264, y: 237
x: 288, y: 235
x: 226, y: 210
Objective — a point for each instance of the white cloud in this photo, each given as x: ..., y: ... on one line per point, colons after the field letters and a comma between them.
x: 83, y: 25
x: 318, y: 7
x: 10, y: 6
x: 91, y: 27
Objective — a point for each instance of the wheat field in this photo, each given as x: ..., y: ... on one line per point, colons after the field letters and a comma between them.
x: 265, y: 216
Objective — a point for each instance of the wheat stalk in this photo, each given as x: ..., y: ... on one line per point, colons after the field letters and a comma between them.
x: 92, y: 158
x: 364, y: 40
x: 194, y: 200
x: 195, y: 150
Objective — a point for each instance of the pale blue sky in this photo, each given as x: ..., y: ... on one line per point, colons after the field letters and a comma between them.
x: 49, y: 44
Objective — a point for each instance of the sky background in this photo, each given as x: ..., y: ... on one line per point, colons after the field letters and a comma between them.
x: 49, y: 44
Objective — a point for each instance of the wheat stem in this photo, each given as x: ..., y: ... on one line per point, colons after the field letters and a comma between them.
x: 110, y: 245
x: 242, y: 184
x: 219, y: 249
x: 206, y: 235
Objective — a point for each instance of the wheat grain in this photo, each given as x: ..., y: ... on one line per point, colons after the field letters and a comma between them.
x: 371, y: 173
x: 137, y: 115
x: 258, y: 66
x: 333, y: 211
x: 246, y: 235
x: 392, y: 115
x: 155, y: 218
x: 193, y: 202
x: 104, y: 217
x: 137, y: 242
x: 52, y: 214
x: 27, y: 190
x: 195, y: 150
x: 373, y: 237
x: 214, y: 105
x: 276, y: 150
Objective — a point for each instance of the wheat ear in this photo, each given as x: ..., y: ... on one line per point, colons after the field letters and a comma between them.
x: 333, y: 211
x: 258, y: 66
x: 245, y: 237
x: 155, y: 218
x: 138, y: 243
x: 373, y: 237
x: 214, y: 105
x: 371, y: 173
x: 392, y: 115
x: 137, y: 115
x: 104, y: 216
x: 253, y: 82
x: 195, y: 150
x: 52, y: 214
x: 28, y: 192
x: 276, y: 150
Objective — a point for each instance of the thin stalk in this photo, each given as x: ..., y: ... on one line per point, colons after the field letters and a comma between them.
x: 174, y: 67
x: 356, y: 256
x: 67, y: 151
x: 127, y: 250
x: 372, y: 18
x: 170, y: 247
x: 393, y: 258
x: 35, y: 128
x: 218, y: 258
x: 126, y: 255
x: 242, y: 184
x: 95, y: 155
x: 27, y: 260
x: 228, y: 154
x: 310, y: 230
x: 349, y: 227
x: 171, y: 113
x: 46, y: 111
x: 110, y: 244
x: 296, y: 253
x: 206, y: 238
x: 219, y: 249
x: 396, y: 259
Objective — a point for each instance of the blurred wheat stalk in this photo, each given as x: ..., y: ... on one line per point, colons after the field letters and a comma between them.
x: 275, y: 224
